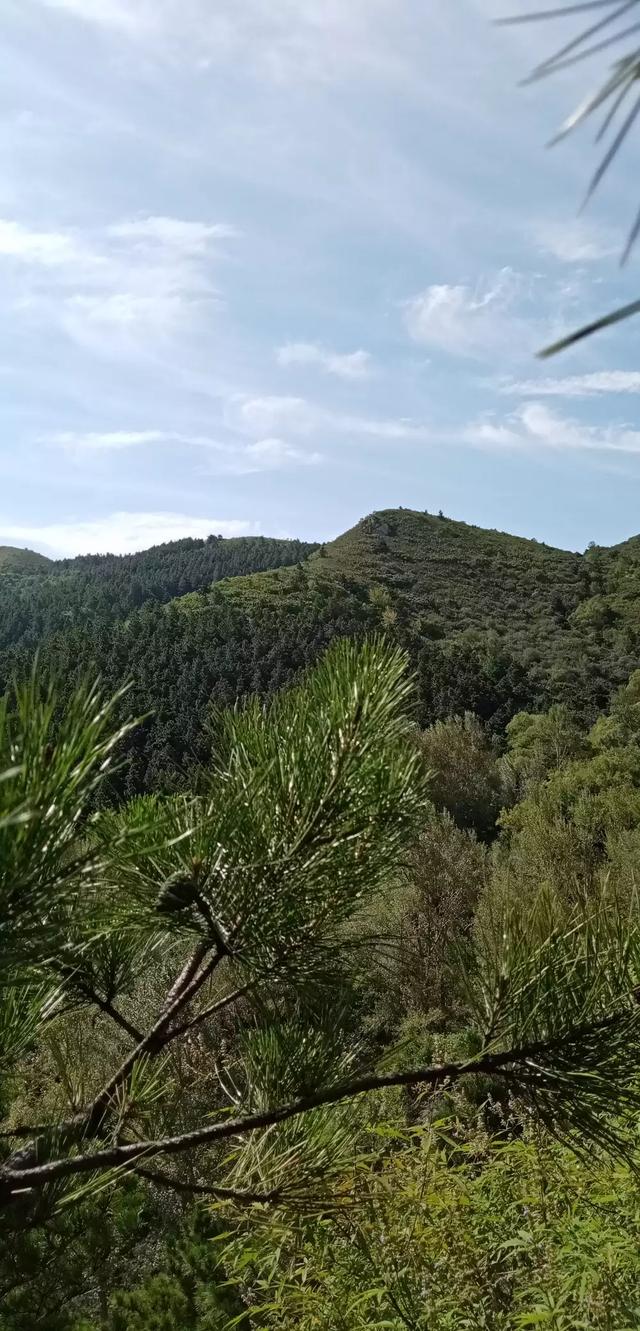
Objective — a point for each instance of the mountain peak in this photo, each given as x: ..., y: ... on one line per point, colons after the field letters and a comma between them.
x: 16, y: 559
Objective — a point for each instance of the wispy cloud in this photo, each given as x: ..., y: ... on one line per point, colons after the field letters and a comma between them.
x: 574, y: 241
x: 300, y: 417
x: 43, y: 249
x: 96, y: 441
x: 270, y: 455
x: 274, y: 413
x: 295, y: 39
x: 174, y: 233
x: 236, y: 459
x: 478, y: 323
x: 577, y: 385
x: 120, y: 533
x: 345, y: 365
x: 129, y: 16
x: 533, y: 426
x: 147, y: 276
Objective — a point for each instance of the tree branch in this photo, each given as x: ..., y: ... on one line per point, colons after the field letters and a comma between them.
x: 187, y: 973
x: 110, y: 1011
x: 89, y: 1122
x: 162, y: 1180
x: 210, y: 1011
x: 37, y: 1176
x: 28, y: 1130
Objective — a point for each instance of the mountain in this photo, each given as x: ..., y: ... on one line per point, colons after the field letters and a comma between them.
x: 557, y: 612
x: 450, y: 577
x: 13, y: 559
x: 106, y: 588
x: 493, y: 623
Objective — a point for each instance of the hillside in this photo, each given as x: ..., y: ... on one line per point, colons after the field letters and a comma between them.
x: 106, y: 588
x: 563, y: 615
x: 13, y: 559
x: 449, y: 577
x: 492, y: 623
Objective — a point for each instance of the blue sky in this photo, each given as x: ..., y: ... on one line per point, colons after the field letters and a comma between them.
x: 267, y: 265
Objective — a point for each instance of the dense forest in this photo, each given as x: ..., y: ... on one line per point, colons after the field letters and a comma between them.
x: 493, y: 624
x: 319, y: 1010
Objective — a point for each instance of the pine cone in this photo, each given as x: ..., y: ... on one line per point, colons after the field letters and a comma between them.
x: 177, y: 893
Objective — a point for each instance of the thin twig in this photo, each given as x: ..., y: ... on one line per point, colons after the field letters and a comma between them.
x: 213, y: 1008
x: 162, y: 1180
x: 110, y: 1011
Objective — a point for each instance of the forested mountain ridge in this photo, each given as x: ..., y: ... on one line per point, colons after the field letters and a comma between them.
x: 449, y: 576
x: 493, y: 624
x: 561, y: 614
x: 39, y: 596
x: 501, y: 825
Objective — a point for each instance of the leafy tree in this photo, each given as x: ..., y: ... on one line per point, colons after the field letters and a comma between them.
x: 500, y: 1234
x: 538, y: 744
x: 464, y: 778
x: 411, y: 972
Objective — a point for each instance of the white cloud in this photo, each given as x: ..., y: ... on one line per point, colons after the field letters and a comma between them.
x: 174, y: 232
x: 267, y: 416
x: 130, y: 16
x: 297, y: 416
x: 574, y: 241
x: 120, y: 533
x: 46, y: 249
x: 578, y: 385
x: 349, y: 365
x: 478, y: 324
x: 100, y: 322
x: 533, y: 426
x: 96, y: 441
x: 270, y: 454
x: 274, y: 454
x: 144, y: 279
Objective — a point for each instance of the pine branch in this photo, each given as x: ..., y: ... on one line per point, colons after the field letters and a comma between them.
x: 244, y: 1198
x: 218, y: 1006
x: 187, y: 973
x: 90, y: 1122
x: 110, y: 1011
x: 27, y: 1130
x: 528, y: 1061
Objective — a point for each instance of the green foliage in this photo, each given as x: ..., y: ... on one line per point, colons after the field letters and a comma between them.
x: 14, y: 560
x: 537, y: 744
x: 411, y: 968
x: 493, y: 624
x: 464, y: 772
x: 452, y: 1235
x: 50, y: 772
x: 563, y: 984
x: 582, y: 800
x: 308, y: 808
x: 298, y: 924
x: 42, y: 596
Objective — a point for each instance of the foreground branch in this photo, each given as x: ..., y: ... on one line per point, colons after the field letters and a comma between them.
x: 212, y: 1010
x: 14, y: 1180
x: 110, y: 1011
x: 90, y: 1122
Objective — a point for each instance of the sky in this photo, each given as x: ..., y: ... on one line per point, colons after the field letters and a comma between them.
x: 269, y: 265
